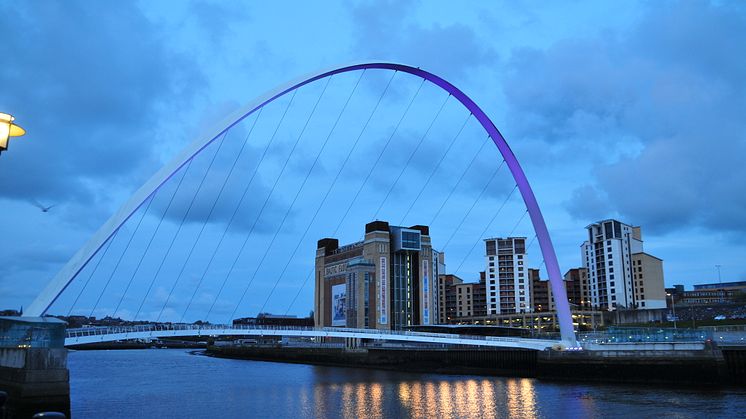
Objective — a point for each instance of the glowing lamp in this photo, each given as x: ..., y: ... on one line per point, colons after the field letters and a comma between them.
x: 8, y: 129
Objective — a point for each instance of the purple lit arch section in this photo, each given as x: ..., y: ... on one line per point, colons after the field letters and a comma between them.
x: 60, y: 282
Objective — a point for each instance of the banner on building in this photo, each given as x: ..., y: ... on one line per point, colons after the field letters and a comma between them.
x: 339, y: 305
x: 382, y: 291
x: 425, y: 292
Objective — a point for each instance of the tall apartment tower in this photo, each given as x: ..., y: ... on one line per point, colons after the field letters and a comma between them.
x: 506, y: 276
x: 609, y: 255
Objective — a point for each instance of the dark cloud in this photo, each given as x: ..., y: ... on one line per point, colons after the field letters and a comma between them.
x: 385, y: 31
x: 659, y: 109
x: 90, y: 81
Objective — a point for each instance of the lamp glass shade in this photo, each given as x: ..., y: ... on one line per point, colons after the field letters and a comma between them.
x: 4, y: 134
x: 16, y: 131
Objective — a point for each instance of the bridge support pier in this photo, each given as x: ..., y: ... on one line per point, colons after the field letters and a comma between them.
x: 352, y: 343
x: 33, y: 366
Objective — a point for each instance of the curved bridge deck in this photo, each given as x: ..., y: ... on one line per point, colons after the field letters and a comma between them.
x: 115, y: 333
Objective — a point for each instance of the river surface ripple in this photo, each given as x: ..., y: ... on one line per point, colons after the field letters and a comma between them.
x: 166, y: 383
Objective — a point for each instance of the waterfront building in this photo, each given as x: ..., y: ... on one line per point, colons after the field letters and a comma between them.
x: 578, y: 288
x: 620, y: 274
x: 447, y: 297
x: 507, y: 278
x: 541, y: 321
x: 710, y: 294
x: 732, y: 286
x: 386, y: 281
x: 470, y: 298
x: 647, y: 274
x: 541, y: 292
x: 576, y: 285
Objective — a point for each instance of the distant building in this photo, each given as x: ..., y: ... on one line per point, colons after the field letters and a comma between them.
x: 470, y: 298
x: 578, y: 288
x: 541, y: 292
x: 647, y: 275
x: 386, y: 281
x: 620, y: 274
x: 506, y: 276
x: 735, y: 286
x: 712, y: 294
x: 447, y: 297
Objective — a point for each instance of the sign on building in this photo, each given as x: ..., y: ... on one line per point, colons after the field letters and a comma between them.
x: 339, y: 305
x: 382, y: 291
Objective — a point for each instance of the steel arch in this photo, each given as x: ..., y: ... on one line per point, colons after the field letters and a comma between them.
x: 68, y: 272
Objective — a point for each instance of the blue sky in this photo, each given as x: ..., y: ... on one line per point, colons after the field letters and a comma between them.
x: 632, y: 110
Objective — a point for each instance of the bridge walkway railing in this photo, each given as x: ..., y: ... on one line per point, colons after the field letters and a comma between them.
x: 207, y: 328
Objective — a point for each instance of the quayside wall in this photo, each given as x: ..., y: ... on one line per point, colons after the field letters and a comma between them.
x: 709, y: 366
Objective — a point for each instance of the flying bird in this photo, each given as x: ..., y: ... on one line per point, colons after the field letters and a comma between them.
x: 43, y: 208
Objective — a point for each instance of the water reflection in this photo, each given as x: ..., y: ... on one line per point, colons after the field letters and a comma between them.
x: 455, y: 398
x: 207, y: 387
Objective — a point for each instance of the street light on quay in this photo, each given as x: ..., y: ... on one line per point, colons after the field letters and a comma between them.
x: 673, y: 309
x: 8, y: 129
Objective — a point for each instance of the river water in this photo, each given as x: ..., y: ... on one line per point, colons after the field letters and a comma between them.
x: 170, y: 383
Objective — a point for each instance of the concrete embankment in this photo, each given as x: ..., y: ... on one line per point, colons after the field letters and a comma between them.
x: 36, y: 380
x: 161, y: 344
x: 696, y: 367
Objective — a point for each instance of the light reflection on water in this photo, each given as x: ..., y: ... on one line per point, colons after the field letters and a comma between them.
x: 173, y: 383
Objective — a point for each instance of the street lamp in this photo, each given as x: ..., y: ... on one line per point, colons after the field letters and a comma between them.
x: 8, y: 129
x: 673, y: 309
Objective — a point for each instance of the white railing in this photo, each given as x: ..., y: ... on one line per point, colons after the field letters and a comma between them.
x: 89, y: 334
x: 110, y: 330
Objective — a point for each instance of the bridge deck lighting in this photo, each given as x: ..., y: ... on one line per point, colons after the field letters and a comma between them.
x: 8, y: 129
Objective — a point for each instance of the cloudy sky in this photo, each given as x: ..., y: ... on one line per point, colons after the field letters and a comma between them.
x: 628, y: 110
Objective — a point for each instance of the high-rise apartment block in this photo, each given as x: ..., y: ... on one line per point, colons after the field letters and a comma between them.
x: 620, y: 274
x: 386, y: 281
x: 507, y: 276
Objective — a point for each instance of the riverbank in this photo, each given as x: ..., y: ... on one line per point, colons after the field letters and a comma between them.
x: 156, y: 344
x: 709, y: 367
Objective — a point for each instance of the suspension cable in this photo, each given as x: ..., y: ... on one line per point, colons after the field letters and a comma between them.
x: 489, y: 224
x: 435, y: 169
x: 474, y: 204
x: 299, y: 190
x: 150, y: 242
x: 329, y: 189
x: 277, y: 181
x: 458, y: 182
x: 95, y: 268
x: 411, y: 155
x: 336, y: 122
x: 240, y: 202
x: 108, y: 281
x: 212, y: 208
x: 184, y: 217
x: 378, y: 159
x: 360, y: 188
